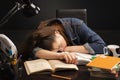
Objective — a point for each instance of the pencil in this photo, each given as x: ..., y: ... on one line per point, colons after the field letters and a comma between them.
x: 62, y: 77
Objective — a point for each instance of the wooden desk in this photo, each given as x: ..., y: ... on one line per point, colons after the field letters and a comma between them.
x: 82, y: 74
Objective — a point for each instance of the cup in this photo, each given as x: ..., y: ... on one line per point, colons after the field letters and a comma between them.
x: 114, y: 50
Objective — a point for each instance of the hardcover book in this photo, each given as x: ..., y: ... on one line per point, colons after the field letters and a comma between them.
x: 105, y: 62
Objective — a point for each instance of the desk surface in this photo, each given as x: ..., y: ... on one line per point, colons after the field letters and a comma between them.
x: 82, y: 74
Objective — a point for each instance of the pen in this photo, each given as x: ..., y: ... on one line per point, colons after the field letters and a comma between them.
x: 19, y: 58
x: 62, y: 77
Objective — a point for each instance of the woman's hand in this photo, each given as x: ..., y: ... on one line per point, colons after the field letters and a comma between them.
x: 69, y: 57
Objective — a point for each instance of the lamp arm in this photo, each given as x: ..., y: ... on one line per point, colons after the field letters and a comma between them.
x: 16, y: 8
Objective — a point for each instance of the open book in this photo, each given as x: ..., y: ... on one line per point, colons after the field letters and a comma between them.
x: 83, y: 58
x: 47, y: 66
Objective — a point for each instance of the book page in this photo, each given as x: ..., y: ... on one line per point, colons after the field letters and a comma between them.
x: 37, y: 66
x: 60, y: 65
x: 83, y: 58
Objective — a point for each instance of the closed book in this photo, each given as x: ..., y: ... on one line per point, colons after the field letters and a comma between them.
x: 104, y: 62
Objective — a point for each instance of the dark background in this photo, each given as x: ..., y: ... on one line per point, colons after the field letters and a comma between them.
x: 102, y: 16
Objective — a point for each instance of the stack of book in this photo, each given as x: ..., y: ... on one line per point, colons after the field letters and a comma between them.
x: 104, y: 66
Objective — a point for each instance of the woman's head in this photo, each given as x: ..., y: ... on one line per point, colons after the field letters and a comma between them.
x: 50, y: 37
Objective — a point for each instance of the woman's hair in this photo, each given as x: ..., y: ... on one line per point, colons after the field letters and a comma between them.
x: 44, y: 38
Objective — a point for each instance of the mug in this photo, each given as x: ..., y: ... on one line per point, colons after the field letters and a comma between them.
x: 112, y: 50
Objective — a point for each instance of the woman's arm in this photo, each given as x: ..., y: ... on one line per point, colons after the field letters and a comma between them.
x: 80, y: 34
x: 78, y: 48
x: 46, y: 54
x: 91, y: 40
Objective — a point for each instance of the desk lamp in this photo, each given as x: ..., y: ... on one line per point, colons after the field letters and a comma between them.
x: 27, y: 7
